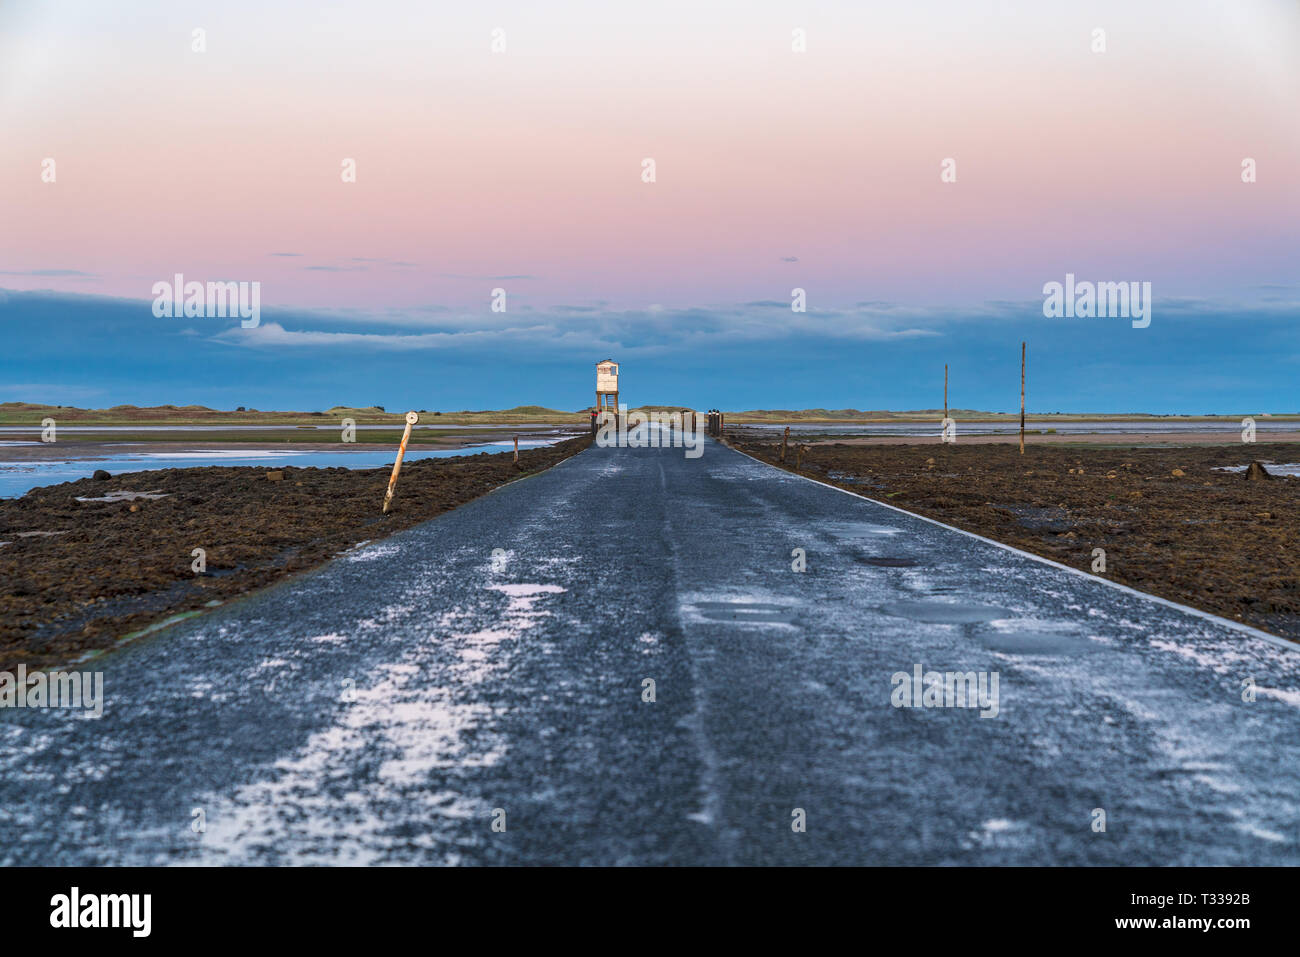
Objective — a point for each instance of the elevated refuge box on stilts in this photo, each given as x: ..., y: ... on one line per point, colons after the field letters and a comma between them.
x: 606, y: 391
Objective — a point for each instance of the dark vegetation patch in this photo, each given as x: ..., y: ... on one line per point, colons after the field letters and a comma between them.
x: 116, y: 567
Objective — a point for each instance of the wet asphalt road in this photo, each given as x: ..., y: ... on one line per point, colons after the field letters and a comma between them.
x: 388, y: 707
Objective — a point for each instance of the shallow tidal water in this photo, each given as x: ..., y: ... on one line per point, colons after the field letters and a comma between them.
x: 17, y: 478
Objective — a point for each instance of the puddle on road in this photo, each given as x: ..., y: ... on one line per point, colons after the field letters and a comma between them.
x: 888, y: 561
x: 746, y: 611
x: 1038, y: 643
x: 944, y: 612
x: 1036, y: 637
x: 859, y: 529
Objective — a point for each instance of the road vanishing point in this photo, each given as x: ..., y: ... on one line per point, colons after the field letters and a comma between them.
x: 474, y: 690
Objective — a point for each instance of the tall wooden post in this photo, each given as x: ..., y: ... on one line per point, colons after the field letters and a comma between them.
x: 411, y: 419
x: 1022, y: 398
x: 516, y: 450
x: 945, y: 390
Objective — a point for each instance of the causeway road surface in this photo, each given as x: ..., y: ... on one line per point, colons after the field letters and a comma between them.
x: 477, y: 690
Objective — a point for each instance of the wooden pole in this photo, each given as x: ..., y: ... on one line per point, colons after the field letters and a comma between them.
x: 411, y: 419
x: 945, y: 390
x: 784, y: 439
x: 1022, y: 398
x: 516, y: 450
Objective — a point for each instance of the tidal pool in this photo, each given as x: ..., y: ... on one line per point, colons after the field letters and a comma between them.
x: 17, y: 478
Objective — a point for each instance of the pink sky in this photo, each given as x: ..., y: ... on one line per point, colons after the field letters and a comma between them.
x: 473, y: 165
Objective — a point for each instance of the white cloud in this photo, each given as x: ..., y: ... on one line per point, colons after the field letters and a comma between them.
x: 647, y: 331
x: 272, y: 334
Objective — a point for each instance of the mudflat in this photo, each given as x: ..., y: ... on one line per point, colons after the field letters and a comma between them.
x: 1119, y: 439
x: 88, y: 563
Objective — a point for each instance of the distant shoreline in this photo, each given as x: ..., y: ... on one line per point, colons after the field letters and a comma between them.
x: 95, y: 450
x: 23, y: 414
x: 925, y: 415
x: 1117, y: 439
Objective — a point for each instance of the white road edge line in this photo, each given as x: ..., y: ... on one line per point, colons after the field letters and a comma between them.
x: 1186, y: 609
